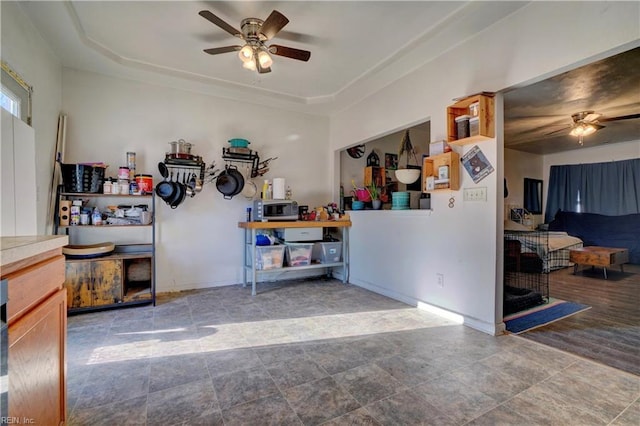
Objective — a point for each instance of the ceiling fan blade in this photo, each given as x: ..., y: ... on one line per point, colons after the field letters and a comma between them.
x: 622, y: 117
x: 290, y: 52
x: 555, y: 132
x: 219, y: 22
x: 273, y: 24
x: 225, y: 49
x: 591, y: 117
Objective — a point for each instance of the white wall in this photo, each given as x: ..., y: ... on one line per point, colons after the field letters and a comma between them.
x: 28, y: 54
x: 461, y: 242
x: 199, y: 243
x: 517, y: 166
x: 598, y: 154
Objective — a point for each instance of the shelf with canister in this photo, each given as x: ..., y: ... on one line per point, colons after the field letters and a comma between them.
x: 441, y: 172
x: 471, y: 120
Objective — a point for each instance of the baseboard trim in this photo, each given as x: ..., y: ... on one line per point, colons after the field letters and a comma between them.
x: 476, y: 324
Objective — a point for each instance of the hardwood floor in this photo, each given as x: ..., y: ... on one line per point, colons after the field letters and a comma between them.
x: 609, y: 332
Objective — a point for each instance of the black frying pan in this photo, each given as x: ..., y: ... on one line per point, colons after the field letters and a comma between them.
x: 230, y: 182
x: 180, y: 194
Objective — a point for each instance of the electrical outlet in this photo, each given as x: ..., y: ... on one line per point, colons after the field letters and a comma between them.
x: 475, y: 194
x: 440, y: 280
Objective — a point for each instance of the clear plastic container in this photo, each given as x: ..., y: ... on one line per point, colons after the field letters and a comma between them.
x: 299, y: 254
x: 268, y: 257
x: 327, y: 252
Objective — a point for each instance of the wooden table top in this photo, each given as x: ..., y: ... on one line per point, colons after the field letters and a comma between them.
x: 296, y: 224
x: 599, y: 250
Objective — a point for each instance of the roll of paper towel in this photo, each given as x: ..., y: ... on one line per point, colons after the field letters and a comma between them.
x: 279, y: 189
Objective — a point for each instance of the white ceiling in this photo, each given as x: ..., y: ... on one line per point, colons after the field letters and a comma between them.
x: 356, y: 47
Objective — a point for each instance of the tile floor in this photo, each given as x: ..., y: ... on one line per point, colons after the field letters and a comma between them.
x: 320, y: 352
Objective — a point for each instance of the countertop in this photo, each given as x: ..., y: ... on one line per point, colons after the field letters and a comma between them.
x: 15, y: 249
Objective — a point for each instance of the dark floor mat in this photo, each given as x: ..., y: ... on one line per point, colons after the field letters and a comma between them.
x: 518, y: 299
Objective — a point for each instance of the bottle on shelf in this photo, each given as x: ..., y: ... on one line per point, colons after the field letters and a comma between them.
x: 270, y: 191
x: 76, y: 208
x: 265, y: 190
x: 96, y: 217
x: 288, y: 194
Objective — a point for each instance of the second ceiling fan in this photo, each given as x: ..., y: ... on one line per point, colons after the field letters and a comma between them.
x: 255, y: 54
x: 586, y: 123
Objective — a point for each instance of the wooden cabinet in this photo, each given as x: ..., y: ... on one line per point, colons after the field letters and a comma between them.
x: 442, y: 171
x: 119, y: 279
x: 37, y: 345
x: 375, y: 174
x: 93, y: 283
x: 485, y: 113
x: 124, y: 277
x: 37, y: 329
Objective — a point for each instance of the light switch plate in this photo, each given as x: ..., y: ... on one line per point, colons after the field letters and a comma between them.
x: 475, y: 194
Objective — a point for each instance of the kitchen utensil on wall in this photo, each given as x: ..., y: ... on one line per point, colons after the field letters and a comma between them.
x: 164, y: 171
x: 239, y: 143
x: 230, y: 182
x: 178, y: 196
x: 180, y: 150
x: 195, y: 183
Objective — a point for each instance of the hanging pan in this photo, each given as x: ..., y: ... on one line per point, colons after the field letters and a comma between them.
x: 230, y: 182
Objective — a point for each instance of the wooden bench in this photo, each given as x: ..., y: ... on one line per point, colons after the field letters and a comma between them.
x: 599, y: 256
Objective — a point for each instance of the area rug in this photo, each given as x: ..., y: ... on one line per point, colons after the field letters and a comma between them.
x: 542, y: 315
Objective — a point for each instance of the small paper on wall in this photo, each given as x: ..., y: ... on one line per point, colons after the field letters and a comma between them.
x: 476, y: 164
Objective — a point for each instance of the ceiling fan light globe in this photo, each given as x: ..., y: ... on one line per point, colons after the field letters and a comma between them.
x: 246, y: 54
x: 589, y: 130
x: 250, y: 65
x: 264, y: 59
x: 583, y: 129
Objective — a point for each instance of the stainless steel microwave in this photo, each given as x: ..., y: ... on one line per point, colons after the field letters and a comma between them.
x: 274, y: 210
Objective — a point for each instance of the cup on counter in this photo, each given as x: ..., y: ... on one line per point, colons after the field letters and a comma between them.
x: 145, y: 217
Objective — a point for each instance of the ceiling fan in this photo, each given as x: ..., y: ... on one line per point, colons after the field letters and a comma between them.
x: 255, y: 54
x: 586, y: 123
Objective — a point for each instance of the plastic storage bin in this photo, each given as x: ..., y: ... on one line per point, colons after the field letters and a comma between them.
x: 327, y: 252
x: 299, y: 254
x: 268, y: 257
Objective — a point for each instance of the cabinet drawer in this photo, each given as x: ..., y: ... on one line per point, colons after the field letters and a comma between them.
x: 29, y: 286
x: 302, y: 234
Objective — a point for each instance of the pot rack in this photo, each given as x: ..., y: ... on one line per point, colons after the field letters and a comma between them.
x: 246, y: 155
x: 249, y: 156
x: 186, y: 164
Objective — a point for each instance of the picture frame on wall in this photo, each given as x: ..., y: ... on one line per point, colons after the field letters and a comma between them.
x: 391, y: 161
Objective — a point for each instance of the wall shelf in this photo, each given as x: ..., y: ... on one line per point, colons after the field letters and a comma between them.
x: 486, y: 110
x: 430, y: 169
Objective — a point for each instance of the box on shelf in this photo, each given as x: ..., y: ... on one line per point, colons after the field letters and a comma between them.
x: 299, y: 234
x: 462, y: 126
x: 327, y: 252
x: 268, y: 257
x: 474, y: 126
x: 438, y: 147
x: 299, y: 254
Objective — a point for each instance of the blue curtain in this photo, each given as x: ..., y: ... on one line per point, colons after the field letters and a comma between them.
x: 611, y: 189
